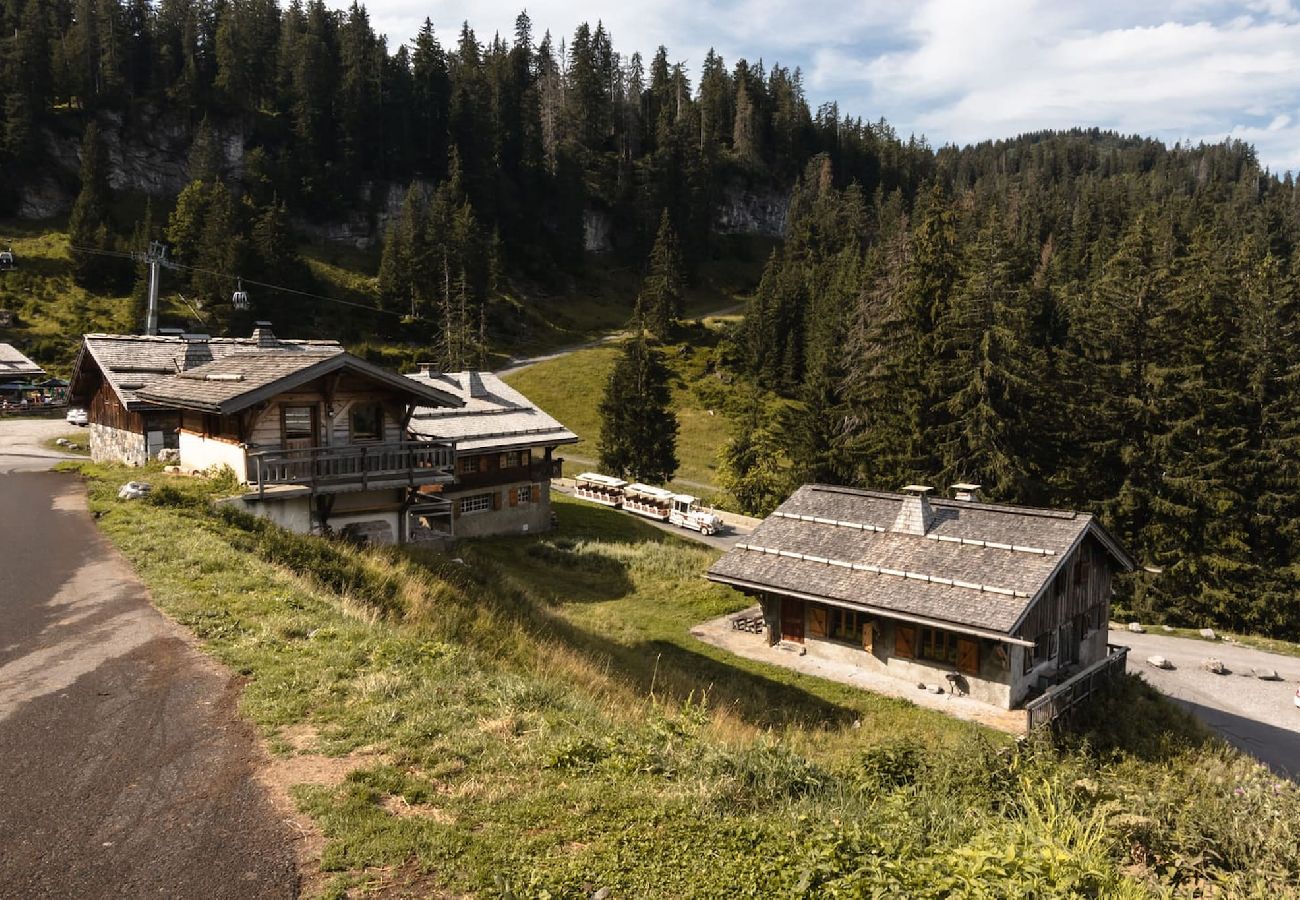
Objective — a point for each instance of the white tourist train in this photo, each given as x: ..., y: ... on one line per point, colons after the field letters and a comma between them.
x: 656, y: 503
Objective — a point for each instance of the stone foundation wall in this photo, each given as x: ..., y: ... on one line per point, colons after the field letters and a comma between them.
x: 110, y: 445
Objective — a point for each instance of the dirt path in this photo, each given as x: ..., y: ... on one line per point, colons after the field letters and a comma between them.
x: 125, y: 768
x: 518, y: 363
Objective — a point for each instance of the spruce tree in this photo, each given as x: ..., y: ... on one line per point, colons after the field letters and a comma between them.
x: 663, y: 294
x: 638, y: 429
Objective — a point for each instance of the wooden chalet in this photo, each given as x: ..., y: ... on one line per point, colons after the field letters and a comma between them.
x: 505, y: 448
x: 997, y: 602
x: 318, y: 437
x: 111, y: 370
x: 19, y: 376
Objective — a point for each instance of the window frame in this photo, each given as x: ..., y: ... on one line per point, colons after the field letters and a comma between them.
x: 524, y: 494
x: 378, y: 410
x: 480, y: 503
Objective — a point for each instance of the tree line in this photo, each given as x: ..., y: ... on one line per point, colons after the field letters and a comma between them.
x: 1073, y: 319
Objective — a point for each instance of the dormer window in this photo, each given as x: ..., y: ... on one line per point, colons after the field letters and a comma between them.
x: 366, y: 422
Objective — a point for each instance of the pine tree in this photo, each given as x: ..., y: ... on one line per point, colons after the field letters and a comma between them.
x: 638, y: 429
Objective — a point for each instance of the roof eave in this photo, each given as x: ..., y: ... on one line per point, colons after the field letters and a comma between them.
x: 961, y: 627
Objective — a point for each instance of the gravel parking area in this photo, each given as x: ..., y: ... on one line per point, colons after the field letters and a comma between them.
x: 1258, y: 716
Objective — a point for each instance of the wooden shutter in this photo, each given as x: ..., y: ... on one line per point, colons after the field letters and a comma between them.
x: 817, y: 621
x: 501, y: 461
x: 496, y: 499
x: 514, y: 497
x: 869, y: 637
x: 904, y: 641
x: 535, y: 494
x: 483, y: 463
x: 525, y: 457
x: 968, y: 656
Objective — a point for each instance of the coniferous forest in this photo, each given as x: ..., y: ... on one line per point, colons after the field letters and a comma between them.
x: 1079, y: 319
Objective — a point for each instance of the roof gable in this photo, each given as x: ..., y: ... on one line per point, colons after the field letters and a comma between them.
x: 14, y: 365
x: 240, y: 380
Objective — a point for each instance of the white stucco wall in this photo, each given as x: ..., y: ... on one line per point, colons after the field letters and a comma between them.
x: 198, y: 452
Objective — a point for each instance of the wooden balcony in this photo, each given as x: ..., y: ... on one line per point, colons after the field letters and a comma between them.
x: 355, y: 467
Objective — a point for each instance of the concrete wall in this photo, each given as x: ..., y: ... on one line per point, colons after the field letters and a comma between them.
x: 293, y: 514
x: 199, y: 452
x: 525, y: 518
x: 110, y: 445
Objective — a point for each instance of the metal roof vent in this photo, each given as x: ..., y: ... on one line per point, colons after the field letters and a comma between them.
x: 964, y: 490
x: 915, y: 516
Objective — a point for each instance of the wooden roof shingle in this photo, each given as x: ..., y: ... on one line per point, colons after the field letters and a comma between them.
x: 979, y: 565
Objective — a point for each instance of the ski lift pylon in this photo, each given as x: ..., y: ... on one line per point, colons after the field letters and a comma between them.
x: 239, y: 299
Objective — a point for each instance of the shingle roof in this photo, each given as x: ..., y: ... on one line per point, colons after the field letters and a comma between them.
x: 495, y: 416
x: 15, y: 366
x: 979, y: 565
x: 239, y: 380
x: 132, y: 362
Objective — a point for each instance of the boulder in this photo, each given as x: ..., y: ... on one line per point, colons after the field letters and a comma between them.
x: 1265, y: 674
x: 1208, y: 634
x: 134, y: 490
x: 1159, y: 662
x: 169, y: 455
x: 1136, y: 628
x: 1215, y: 666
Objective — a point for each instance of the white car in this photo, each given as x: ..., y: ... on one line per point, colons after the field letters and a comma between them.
x: 1297, y: 696
x: 77, y: 416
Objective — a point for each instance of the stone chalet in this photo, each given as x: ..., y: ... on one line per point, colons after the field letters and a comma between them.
x: 1001, y: 602
x: 504, y: 452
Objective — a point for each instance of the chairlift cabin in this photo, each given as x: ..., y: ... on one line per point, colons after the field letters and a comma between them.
x: 7, y: 260
x: 239, y: 299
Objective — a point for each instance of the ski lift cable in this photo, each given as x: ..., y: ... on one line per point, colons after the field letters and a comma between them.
x: 170, y: 264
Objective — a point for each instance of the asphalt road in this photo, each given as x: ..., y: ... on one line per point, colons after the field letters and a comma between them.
x: 125, y: 769
x: 1257, y: 716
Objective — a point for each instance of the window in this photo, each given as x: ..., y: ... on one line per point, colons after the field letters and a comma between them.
x: 524, y: 493
x: 846, y: 625
x: 467, y: 465
x: 939, y: 646
x: 299, y: 422
x: 515, y: 458
x: 367, y: 421
x: 475, y: 503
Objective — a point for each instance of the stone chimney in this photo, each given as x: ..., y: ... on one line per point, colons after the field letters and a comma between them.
x: 964, y: 490
x: 264, y: 337
x: 915, y: 516
x: 428, y: 369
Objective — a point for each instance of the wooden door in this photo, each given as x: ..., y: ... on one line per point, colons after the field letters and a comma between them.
x: 792, y: 616
x: 1069, y: 645
x: 968, y: 656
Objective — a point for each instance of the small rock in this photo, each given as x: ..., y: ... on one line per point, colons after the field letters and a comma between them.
x: 1166, y: 628
x: 134, y: 490
x: 1265, y: 674
x: 1208, y: 634
x: 1214, y: 665
x: 1159, y: 662
x: 602, y: 894
x: 1136, y: 628
x: 934, y: 689
x: 61, y: 442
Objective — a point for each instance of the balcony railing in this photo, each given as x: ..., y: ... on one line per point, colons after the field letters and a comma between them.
x: 1060, y: 699
x: 353, y: 465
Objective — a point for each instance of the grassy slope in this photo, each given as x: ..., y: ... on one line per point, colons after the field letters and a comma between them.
x: 549, y: 726
x: 54, y: 312
x: 571, y: 387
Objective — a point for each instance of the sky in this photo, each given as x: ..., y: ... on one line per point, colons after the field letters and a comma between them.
x: 961, y: 71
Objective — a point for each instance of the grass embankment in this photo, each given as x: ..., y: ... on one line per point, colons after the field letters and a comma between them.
x: 539, y: 723
x: 79, y: 442
x: 571, y: 388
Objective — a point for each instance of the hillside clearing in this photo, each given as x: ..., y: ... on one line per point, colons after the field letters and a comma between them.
x: 538, y: 722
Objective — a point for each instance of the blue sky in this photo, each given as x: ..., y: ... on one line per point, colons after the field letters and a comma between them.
x: 958, y: 72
